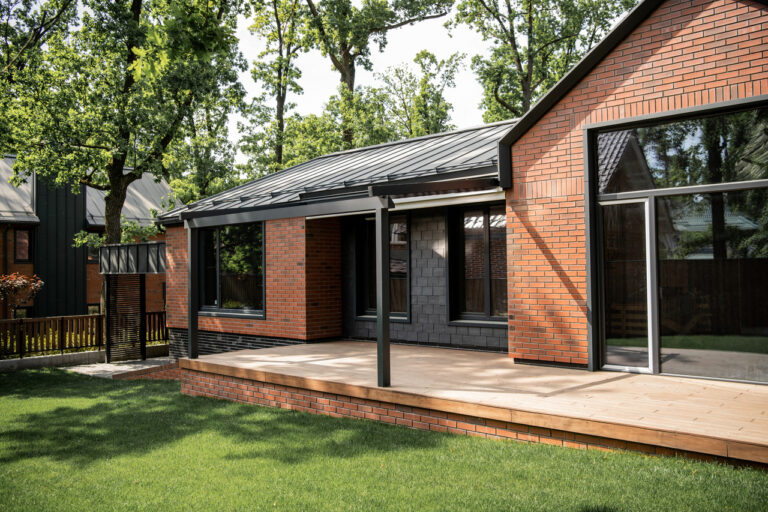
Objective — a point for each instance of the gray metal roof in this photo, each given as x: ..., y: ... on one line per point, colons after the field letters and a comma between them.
x: 143, y: 195
x: 443, y: 154
x: 15, y: 202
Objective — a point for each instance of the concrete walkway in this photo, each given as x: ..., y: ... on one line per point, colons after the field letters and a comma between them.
x: 109, y: 370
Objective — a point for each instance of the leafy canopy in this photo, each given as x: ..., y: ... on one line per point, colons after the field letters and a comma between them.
x: 535, y: 42
x: 116, y: 92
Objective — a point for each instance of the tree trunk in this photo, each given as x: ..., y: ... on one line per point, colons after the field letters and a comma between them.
x: 280, y: 117
x: 348, y: 81
x: 113, y: 202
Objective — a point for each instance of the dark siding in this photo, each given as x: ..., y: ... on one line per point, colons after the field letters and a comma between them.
x: 428, y: 323
x: 57, y: 263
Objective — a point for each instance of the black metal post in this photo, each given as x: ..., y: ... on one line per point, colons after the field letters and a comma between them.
x: 143, y: 316
x: 382, y: 296
x: 194, y: 294
x: 108, y: 312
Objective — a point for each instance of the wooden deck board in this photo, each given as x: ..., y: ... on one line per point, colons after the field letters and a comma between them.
x: 712, y: 417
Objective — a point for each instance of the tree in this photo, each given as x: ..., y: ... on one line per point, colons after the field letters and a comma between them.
x: 116, y: 93
x: 17, y: 289
x: 279, y: 23
x: 316, y: 135
x: 25, y: 26
x: 344, y: 32
x: 534, y: 44
x: 417, y: 103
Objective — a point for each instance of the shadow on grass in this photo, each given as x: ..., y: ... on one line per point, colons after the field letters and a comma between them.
x: 101, y: 419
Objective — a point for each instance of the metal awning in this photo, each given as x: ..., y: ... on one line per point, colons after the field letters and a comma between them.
x: 137, y: 258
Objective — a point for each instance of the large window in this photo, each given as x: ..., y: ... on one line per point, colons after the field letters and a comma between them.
x: 232, y: 263
x: 399, y: 260
x: 694, y: 193
x: 478, y: 260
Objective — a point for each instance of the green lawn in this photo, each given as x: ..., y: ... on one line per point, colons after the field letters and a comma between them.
x: 70, y: 442
x: 734, y: 343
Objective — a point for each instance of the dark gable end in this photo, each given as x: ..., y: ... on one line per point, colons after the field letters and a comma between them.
x: 625, y: 27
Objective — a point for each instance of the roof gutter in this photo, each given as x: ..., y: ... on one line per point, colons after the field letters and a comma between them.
x: 568, y: 82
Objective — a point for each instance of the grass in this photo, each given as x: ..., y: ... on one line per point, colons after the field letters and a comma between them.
x: 734, y: 343
x: 69, y: 442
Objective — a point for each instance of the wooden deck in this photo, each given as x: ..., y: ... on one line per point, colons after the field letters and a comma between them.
x: 724, y: 419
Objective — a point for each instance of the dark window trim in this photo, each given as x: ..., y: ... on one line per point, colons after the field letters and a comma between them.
x: 362, y: 311
x: 217, y: 311
x: 30, y: 247
x: 454, y: 285
x: 92, y: 304
x: 593, y: 219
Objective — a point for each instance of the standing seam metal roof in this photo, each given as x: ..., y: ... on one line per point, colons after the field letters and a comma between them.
x: 431, y: 155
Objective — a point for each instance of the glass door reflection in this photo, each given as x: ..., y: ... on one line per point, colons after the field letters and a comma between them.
x: 625, y: 285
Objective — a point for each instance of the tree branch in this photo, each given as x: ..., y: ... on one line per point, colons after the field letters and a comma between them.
x: 38, y: 33
x: 324, y: 35
x: 409, y: 21
x: 501, y: 101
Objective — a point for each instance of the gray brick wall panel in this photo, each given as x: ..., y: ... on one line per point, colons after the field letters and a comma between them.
x: 429, y: 316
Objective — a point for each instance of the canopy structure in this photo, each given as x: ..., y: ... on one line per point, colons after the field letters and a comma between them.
x: 125, y: 267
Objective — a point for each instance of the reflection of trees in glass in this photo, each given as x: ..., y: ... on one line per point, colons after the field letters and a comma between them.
x: 718, y: 149
x: 241, y: 249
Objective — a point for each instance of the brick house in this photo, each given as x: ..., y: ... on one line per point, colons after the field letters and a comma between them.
x: 621, y: 224
x: 37, y: 225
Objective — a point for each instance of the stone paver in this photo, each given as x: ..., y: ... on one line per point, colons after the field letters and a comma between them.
x: 108, y: 370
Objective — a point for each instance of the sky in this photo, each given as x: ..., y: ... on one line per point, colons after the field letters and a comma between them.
x: 320, y: 80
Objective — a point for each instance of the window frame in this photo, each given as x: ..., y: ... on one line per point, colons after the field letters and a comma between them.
x: 30, y: 245
x: 593, y: 222
x: 218, y: 311
x: 455, y: 280
x: 362, y: 285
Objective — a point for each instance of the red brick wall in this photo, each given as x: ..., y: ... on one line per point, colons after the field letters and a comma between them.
x: 197, y: 383
x: 303, y: 301
x: 176, y: 277
x: 323, y: 278
x: 7, y: 262
x: 687, y: 53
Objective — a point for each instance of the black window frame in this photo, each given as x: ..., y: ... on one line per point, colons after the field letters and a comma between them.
x: 596, y: 330
x: 362, y: 282
x: 208, y: 310
x: 30, y: 246
x: 455, y: 285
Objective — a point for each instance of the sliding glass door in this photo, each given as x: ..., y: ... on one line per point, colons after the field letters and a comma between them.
x: 626, y: 341
x: 682, y: 211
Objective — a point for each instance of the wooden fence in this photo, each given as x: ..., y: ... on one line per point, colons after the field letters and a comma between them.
x: 39, y: 336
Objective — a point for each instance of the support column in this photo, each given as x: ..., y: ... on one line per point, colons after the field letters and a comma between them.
x: 193, y: 288
x: 382, y: 295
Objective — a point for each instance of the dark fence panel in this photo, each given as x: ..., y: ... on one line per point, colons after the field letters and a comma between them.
x: 60, y: 334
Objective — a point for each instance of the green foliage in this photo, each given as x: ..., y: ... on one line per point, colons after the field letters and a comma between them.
x: 416, y: 103
x: 535, y: 42
x: 132, y: 232
x: 25, y: 27
x: 344, y: 32
x: 117, y: 92
x: 17, y: 289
